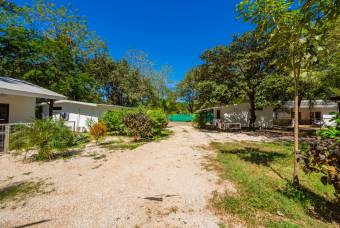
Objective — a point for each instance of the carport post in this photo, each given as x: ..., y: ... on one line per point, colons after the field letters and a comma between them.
x: 50, y: 108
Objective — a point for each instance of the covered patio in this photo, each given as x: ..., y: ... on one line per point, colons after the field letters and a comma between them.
x: 18, y: 104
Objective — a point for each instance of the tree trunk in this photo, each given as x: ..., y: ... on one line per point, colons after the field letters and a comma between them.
x: 296, y: 134
x: 252, y: 118
x: 50, y: 108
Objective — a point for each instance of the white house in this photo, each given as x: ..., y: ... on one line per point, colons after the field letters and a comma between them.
x: 310, y: 113
x: 239, y: 113
x: 18, y: 100
x: 77, y: 114
x: 18, y: 103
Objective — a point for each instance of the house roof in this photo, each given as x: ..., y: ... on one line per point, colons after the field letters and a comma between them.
x: 312, y: 104
x: 84, y: 103
x: 12, y: 86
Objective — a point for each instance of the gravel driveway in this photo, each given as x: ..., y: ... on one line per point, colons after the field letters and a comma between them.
x: 160, y: 184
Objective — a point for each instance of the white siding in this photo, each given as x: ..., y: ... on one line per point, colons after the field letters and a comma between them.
x: 78, y: 113
x: 240, y: 114
x: 21, y: 109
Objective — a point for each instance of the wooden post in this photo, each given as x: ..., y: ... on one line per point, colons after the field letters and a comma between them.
x: 6, y: 139
x: 50, y: 108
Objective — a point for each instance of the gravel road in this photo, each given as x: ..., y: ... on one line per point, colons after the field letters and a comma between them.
x: 160, y: 184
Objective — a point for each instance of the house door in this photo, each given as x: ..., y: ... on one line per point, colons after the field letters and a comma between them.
x: 4, y: 114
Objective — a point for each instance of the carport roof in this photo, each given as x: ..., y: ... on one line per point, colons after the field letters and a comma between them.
x: 12, y: 86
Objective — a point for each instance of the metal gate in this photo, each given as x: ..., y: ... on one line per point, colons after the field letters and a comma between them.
x: 5, y: 132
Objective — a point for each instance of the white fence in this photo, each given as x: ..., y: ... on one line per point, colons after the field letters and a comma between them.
x: 5, y: 132
x: 7, y: 129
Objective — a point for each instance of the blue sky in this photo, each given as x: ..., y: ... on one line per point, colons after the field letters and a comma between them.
x: 173, y: 32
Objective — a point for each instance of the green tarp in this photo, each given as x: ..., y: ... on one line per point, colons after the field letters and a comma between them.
x: 181, y: 117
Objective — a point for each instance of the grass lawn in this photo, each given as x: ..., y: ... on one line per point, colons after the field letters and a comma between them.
x: 262, y: 173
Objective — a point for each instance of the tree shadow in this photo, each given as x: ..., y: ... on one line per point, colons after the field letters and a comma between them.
x: 33, y: 223
x: 314, y: 204
x: 256, y: 156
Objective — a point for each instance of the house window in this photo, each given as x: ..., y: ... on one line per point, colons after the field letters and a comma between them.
x: 218, y: 114
x: 317, y: 115
x: 57, y: 108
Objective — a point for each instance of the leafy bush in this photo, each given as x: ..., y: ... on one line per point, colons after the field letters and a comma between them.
x: 200, y: 120
x: 323, y: 156
x: 332, y: 132
x: 45, y: 135
x: 138, y: 125
x: 159, y: 121
x: 98, y: 131
x: 114, y: 120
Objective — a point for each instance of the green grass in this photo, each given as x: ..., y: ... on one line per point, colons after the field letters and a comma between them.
x: 115, y: 145
x: 20, y: 191
x: 262, y: 174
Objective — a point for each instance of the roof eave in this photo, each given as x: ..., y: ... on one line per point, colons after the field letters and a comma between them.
x: 30, y: 94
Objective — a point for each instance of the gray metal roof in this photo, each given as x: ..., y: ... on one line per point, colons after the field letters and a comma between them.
x: 83, y: 103
x: 12, y: 86
x: 311, y: 104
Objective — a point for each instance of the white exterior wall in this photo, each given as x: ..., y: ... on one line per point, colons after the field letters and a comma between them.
x: 240, y: 114
x: 78, y: 114
x: 305, y: 114
x: 21, y: 108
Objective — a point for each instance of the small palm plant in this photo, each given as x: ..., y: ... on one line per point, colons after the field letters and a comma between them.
x: 43, y: 135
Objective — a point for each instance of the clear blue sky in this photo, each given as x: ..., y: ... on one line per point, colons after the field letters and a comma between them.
x: 173, y: 32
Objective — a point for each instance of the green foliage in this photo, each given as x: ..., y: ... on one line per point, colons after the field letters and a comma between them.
x: 138, y: 125
x: 332, y: 132
x: 265, y: 195
x: 187, y: 89
x: 114, y: 120
x: 323, y: 156
x: 46, y: 136
x: 50, y: 45
x: 201, y: 119
x: 98, y: 131
x: 158, y: 119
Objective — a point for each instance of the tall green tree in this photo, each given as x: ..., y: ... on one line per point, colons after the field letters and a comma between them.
x: 187, y: 89
x: 298, y: 28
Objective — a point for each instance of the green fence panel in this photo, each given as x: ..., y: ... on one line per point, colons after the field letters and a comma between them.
x: 181, y: 117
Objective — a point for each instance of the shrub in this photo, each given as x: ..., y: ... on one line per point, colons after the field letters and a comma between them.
x: 323, y: 156
x: 114, y: 120
x: 200, y: 120
x: 138, y: 125
x: 98, y: 131
x: 158, y: 119
x: 45, y: 135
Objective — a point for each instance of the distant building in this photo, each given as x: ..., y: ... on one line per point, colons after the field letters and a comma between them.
x: 239, y: 113
x: 77, y: 114
x: 311, y: 113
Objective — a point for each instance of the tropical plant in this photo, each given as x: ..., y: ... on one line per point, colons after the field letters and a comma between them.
x: 323, y: 155
x: 138, y: 125
x: 201, y: 119
x: 46, y: 136
x: 98, y: 131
